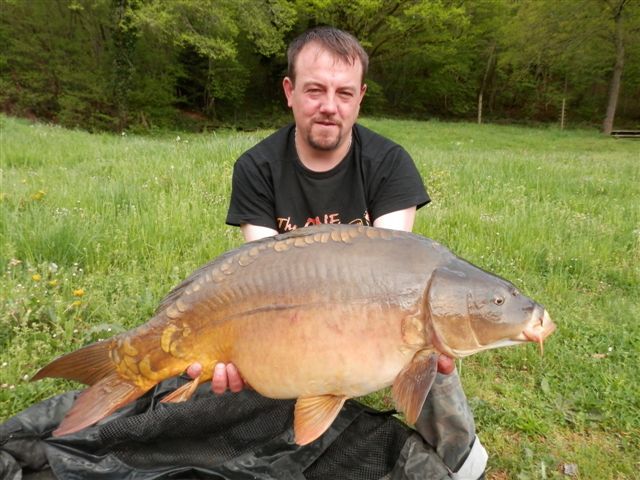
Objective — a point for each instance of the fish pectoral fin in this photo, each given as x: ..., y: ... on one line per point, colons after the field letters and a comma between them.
x: 413, y: 383
x: 314, y: 415
x: 183, y: 393
x: 98, y: 401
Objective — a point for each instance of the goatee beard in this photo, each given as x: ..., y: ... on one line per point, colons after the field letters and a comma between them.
x: 324, y: 146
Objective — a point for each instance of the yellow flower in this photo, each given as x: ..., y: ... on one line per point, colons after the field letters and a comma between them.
x: 52, y: 283
x: 36, y: 277
x: 39, y: 195
x: 78, y: 292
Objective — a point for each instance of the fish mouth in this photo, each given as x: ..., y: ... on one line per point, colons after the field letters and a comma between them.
x: 539, y: 327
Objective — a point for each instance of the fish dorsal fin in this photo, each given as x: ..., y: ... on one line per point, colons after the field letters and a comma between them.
x: 413, y: 383
x: 314, y: 415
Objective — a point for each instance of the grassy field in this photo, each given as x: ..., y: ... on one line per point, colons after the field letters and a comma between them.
x: 96, y: 229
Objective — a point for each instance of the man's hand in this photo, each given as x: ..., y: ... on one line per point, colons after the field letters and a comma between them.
x: 227, y: 376
x: 224, y: 376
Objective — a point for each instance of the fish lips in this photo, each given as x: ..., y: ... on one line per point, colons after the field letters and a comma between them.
x: 539, y: 328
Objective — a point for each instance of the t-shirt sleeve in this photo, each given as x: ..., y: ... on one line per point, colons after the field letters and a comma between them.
x: 396, y: 184
x: 252, y: 199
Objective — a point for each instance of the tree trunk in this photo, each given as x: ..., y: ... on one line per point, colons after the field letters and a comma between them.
x: 483, y: 86
x: 124, y: 39
x: 564, y: 104
x: 616, y: 78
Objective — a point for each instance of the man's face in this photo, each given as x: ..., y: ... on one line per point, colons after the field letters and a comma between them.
x: 325, y: 99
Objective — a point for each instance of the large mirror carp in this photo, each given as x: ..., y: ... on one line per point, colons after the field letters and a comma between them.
x: 320, y: 314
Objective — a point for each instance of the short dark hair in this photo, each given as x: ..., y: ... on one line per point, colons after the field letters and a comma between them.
x: 340, y: 43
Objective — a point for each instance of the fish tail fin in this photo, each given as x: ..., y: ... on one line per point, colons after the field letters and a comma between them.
x: 87, y: 365
x: 91, y: 365
x: 98, y: 401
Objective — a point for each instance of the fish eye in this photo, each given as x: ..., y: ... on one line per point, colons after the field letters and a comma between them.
x: 498, y: 300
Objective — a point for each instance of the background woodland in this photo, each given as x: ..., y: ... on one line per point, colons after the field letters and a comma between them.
x: 142, y: 65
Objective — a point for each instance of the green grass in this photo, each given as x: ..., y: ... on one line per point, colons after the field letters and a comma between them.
x: 97, y: 228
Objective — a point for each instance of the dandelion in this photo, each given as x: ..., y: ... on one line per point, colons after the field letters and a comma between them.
x: 79, y: 292
x: 39, y: 195
x: 36, y: 277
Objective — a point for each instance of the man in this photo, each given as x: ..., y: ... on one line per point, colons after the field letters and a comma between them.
x: 327, y: 169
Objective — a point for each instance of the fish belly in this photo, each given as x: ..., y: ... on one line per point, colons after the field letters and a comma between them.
x: 313, y: 350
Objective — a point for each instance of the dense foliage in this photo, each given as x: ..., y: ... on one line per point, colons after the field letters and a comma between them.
x: 127, y: 64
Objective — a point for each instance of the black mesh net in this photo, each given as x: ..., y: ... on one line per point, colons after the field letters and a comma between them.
x: 368, y: 448
x: 203, y: 432
x: 233, y: 436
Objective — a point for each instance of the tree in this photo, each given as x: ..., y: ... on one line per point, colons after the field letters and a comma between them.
x: 616, y: 8
x: 115, y: 64
x: 124, y: 40
x: 413, y: 47
x: 58, y: 60
x: 206, y: 34
x: 561, y: 49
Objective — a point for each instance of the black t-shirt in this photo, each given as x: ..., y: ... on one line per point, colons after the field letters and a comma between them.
x: 272, y: 188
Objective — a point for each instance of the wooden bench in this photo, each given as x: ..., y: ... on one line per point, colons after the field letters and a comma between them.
x: 625, y: 133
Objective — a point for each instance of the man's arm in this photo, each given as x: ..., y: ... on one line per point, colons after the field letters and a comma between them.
x: 398, y: 220
x: 256, y: 232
